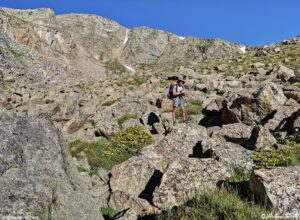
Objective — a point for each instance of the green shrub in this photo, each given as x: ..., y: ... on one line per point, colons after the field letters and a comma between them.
x: 115, y: 66
x: 108, y: 213
x: 131, y: 140
x: 98, y: 153
x: 119, y: 148
x: 216, y: 204
x: 288, y: 155
x: 124, y: 118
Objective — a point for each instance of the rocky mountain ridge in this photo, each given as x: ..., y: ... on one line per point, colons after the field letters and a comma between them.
x: 93, y: 78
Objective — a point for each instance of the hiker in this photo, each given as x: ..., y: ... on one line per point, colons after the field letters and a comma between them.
x: 176, y: 93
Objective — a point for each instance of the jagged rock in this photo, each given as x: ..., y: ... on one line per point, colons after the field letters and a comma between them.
x: 269, y: 98
x: 133, y: 175
x: 201, y: 87
x: 278, y: 187
x: 238, y: 133
x: 292, y: 92
x: 283, y: 73
x: 185, y: 178
x: 38, y: 176
x: 263, y: 139
x: 233, y: 155
x: 279, y: 120
x: 121, y: 201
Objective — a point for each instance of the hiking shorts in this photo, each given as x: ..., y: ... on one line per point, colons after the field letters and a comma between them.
x: 178, y: 102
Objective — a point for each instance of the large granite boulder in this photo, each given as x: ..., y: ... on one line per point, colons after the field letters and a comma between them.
x: 133, y: 175
x: 231, y: 154
x: 269, y: 98
x: 38, y: 177
x: 279, y: 187
x: 186, y: 178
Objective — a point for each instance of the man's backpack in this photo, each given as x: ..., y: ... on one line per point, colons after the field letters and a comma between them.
x: 170, y: 93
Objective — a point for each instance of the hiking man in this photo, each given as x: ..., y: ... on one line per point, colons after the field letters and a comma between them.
x: 178, y: 100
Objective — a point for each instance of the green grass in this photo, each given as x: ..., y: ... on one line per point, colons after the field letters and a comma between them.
x: 115, y: 66
x: 131, y: 81
x: 194, y: 108
x: 108, y: 213
x: 99, y: 154
x: 288, y: 155
x: 106, y: 154
x: 239, y: 175
x: 216, y: 204
x: 124, y: 118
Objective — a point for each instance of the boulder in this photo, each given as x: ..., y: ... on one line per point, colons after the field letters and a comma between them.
x: 232, y: 155
x: 133, y: 175
x: 292, y: 92
x: 186, y: 178
x: 269, y: 98
x: 122, y: 201
x: 282, y: 72
x: 238, y: 133
x: 279, y: 187
x: 38, y: 177
x: 279, y: 119
x: 262, y: 138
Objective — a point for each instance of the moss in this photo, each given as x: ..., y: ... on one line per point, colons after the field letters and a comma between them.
x: 106, y: 154
x: 115, y: 66
x: 216, y: 204
x: 124, y: 118
x: 288, y: 155
x: 108, y: 213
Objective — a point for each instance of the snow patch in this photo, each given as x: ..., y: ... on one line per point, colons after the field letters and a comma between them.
x: 181, y: 38
x: 129, y: 68
x: 126, y: 37
x: 243, y: 49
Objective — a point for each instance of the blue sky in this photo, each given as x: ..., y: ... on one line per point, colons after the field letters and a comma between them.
x: 251, y: 22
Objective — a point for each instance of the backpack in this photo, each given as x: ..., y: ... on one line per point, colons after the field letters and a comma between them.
x: 170, y: 93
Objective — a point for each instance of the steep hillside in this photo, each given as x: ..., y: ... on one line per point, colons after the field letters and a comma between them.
x: 104, y: 88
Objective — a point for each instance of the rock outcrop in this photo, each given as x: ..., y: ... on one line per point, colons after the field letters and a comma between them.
x: 38, y: 177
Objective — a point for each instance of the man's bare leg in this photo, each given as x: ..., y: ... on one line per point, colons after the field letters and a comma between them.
x: 174, y: 114
x: 183, y: 114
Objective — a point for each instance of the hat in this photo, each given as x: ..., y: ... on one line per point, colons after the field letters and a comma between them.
x: 178, y: 81
x: 173, y: 78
